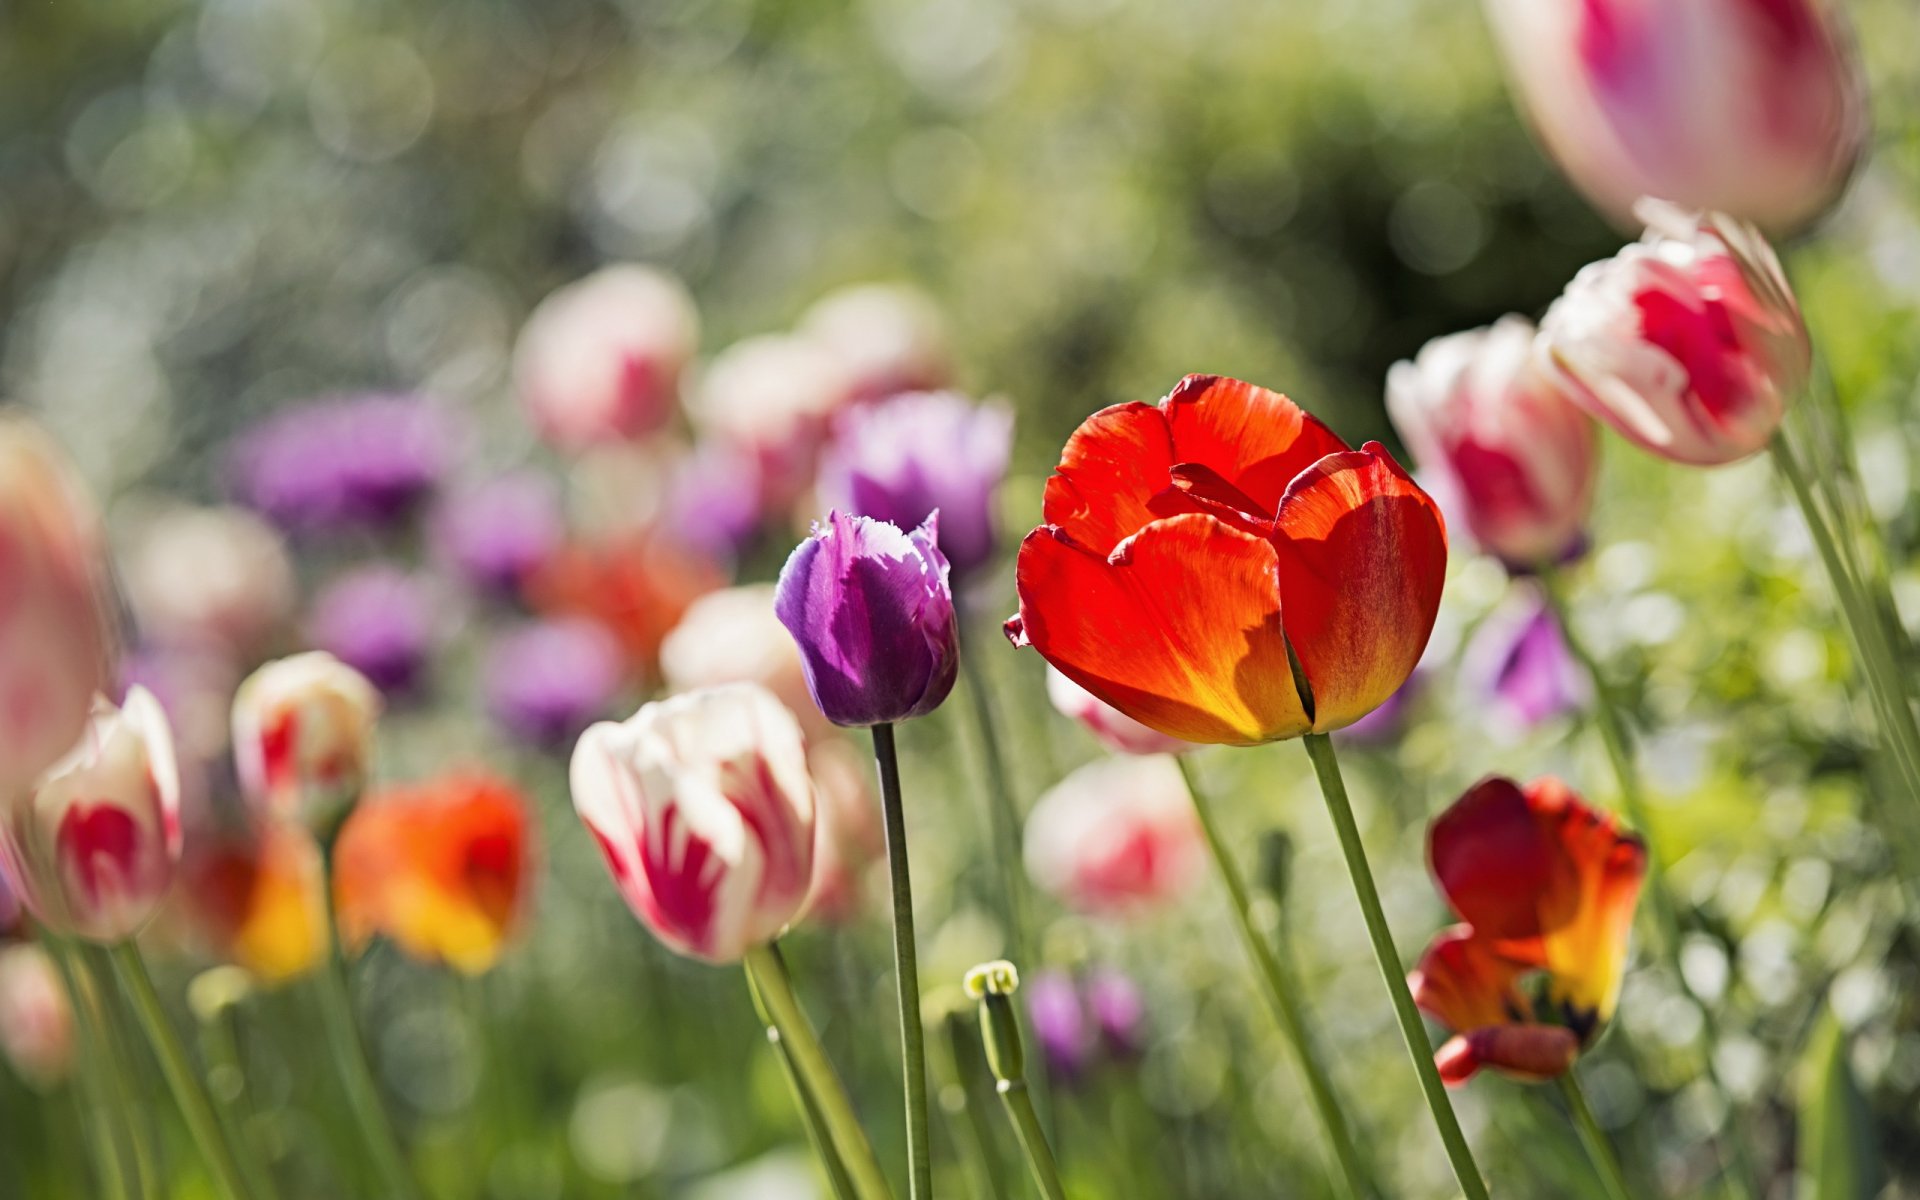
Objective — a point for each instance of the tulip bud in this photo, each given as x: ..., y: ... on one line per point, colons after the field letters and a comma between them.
x: 1755, y: 109
x: 1518, y: 670
x: 872, y: 611
x: 36, y: 1016
x: 381, y: 620
x: 93, y: 844
x: 919, y: 453
x: 704, y: 810
x: 600, y: 360
x: 1115, y: 729
x: 303, y: 737
x: 1115, y: 836
x: 993, y: 985
x: 1688, y: 342
x: 55, y: 648
x: 1516, y: 453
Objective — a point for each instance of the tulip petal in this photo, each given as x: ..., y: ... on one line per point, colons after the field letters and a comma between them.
x: 1178, y: 629
x: 1462, y: 983
x: 1533, y: 1053
x: 1256, y: 439
x: 1111, y: 472
x: 1362, y: 557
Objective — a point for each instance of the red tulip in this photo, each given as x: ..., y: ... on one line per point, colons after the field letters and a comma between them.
x: 1192, y: 547
x: 441, y: 868
x: 1546, y: 888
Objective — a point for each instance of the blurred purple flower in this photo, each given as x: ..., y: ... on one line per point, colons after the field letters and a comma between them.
x: 547, y: 681
x: 379, y: 620
x: 901, y: 459
x: 1386, y: 723
x: 872, y: 612
x: 342, y: 461
x: 501, y: 531
x: 1059, y: 1022
x: 1519, y: 662
x: 714, y: 499
x: 1118, y: 1011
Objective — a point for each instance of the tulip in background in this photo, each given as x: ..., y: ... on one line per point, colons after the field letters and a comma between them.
x: 381, y: 620
x: 93, y: 844
x: 1688, y: 342
x: 1116, y: 836
x: 441, y: 868
x: 1113, y: 728
x: 773, y: 397
x: 903, y: 459
x: 303, y: 737
x: 848, y: 839
x: 55, y: 647
x: 258, y: 898
x: 213, y: 577
x: 637, y: 585
x: 545, y: 681
x: 1751, y: 107
x: 1516, y: 454
x: 36, y: 1017
x: 734, y: 636
x: 1518, y: 668
x: 343, y: 463
x: 498, y: 533
x: 888, y: 338
x: 600, y: 359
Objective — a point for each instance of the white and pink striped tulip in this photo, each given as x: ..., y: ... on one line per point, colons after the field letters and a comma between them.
x: 303, y: 736
x: 1116, y: 836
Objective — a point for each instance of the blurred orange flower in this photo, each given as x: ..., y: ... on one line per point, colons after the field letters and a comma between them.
x: 440, y: 867
x: 638, y: 586
x: 257, y: 899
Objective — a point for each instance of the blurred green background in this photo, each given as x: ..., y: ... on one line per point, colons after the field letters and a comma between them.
x: 207, y: 210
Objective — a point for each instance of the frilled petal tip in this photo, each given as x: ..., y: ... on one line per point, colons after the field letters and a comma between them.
x: 1531, y: 1053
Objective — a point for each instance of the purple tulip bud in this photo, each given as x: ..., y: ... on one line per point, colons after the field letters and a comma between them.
x: 380, y: 621
x: 345, y: 461
x: 1519, y: 662
x: 546, y: 682
x: 1059, y: 1023
x: 500, y: 532
x: 1118, y: 1011
x: 902, y: 459
x: 872, y: 612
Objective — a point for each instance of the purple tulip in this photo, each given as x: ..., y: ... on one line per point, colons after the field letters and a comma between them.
x: 714, y: 499
x: 380, y: 621
x: 500, y: 532
x: 339, y: 462
x: 1518, y: 660
x: 872, y: 611
x: 1059, y: 1023
x: 547, y: 681
x: 1386, y: 723
x: 1118, y: 1012
x: 904, y: 458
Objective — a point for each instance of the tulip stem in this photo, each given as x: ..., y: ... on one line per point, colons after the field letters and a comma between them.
x: 1033, y: 1139
x: 105, y: 1112
x: 906, y: 967
x: 1005, y: 817
x: 1666, y: 911
x: 182, y: 1077
x: 1280, y: 993
x: 1340, y: 809
x: 813, y: 1074
x: 1599, y: 1149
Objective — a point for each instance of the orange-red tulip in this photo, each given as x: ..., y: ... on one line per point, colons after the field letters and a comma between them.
x: 1191, y: 547
x: 441, y: 868
x: 1545, y: 888
x: 258, y: 898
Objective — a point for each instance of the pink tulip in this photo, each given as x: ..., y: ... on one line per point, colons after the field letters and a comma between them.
x: 1115, y: 729
x: 1750, y: 107
x: 600, y: 359
x: 218, y: 578
x: 1688, y: 342
x: 93, y: 844
x: 303, y: 737
x: 773, y: 398
x: 36, y: 1018
x: 888, y: 338
x: 1115, y: 836
x: 704, y: 809
x: 55, y: 648
x: 1518, y: 457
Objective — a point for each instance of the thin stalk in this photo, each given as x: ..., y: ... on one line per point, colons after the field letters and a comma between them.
x: 774, y: 986
x: 350, y: 1065
x: 1003, y: 815
x: 906, y: 968
x: 1340, y: 809
x: 1618, y: 743
x: 818, y: 1136
x: 1033, y: 1139
x: 124, y: 1044
x: 220, y: 1049
x: 1281, y: 995
x: 182, y: 1077
x: 958, y: 1057
x: 1599, y: 1149
x: 104, y: 1110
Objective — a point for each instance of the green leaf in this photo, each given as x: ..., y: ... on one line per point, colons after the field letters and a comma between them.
x: 1838, y: 1151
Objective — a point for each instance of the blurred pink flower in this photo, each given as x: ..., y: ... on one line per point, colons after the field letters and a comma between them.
x: 1518, y: 669
x: 303, y: 736
x: 600, y: 359
x: 1115, y: 729
x: 93, y: 844
x: 1116, y: 835
x: 1519, y: 456
x: 704, y: 809
x: 1751, y: 107
x: 36, y: 1017
x: 849, y: 839
x: 886, y: 337
x: 1689, y: 342
x: 217, y: 577
x: 774, y: 398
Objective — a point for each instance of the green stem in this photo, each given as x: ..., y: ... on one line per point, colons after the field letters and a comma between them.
x: 220, y: 1049
x: 818, y: 1137
x: 1280, y: 993
x: 1599, y: 1149
x: 105, y: 1110
x: 116, y: 1027
x: 906, y: 969
x: 354, y: 1072
x: 1003, y: 815
x: 182, y: 1077
x: 1618, y: 743
x: 772, y: 984
x: 1340, y: 809
x: 958, y: 1056
x: 1033, y: 1139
